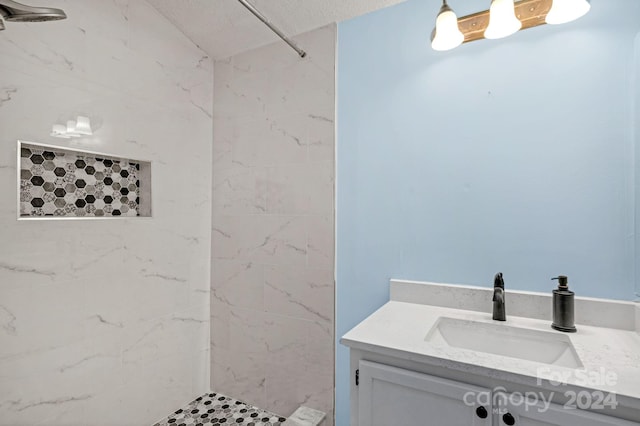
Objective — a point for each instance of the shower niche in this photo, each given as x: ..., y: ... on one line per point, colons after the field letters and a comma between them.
x: 58, y: 183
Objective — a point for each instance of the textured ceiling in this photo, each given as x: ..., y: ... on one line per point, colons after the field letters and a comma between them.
x: 224, y: 27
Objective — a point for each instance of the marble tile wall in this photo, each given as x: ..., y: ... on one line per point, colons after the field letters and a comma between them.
x: 272, y: 287
x: 106, y: 322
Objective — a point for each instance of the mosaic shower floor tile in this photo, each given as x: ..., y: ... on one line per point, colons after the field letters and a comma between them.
x: 215, y: 409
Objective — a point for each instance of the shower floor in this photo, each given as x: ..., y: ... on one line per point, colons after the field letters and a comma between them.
x: 214, y: 409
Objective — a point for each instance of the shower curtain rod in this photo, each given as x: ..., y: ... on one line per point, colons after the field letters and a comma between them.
x: 273, y: 28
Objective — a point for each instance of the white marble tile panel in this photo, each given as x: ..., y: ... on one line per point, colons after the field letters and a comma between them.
x: 199, y: 290
x: 52, y: 383
x: 61, y: 47
x: 303, y: 385
x: 194, y: 322
x: 320, y: 231
x: 320, y: 46
x: 299, y: 292
x: 238, y: 284
x: 320, y: 345
x: 318, y: 389
x: 109, y: 19
x: 292, y: 347
x: 282, y: 390
x: 200, y: 377
x: 242, y: 96
x: 301, y: 87
x: 321, y: 137
x: 240, y: 374
x: 269, y: 142
x: 87, y: 295
x: 123, y: 70
x: 161, y: 384
x: 223, y: 129
x: 220, y: 325
x: 300, y: 189
x: 274, y: 239
x: 274, y: 149
x: 246, y: 331
x: 34, y: 320
x: 99, y: 409
x: 239, y: 190
x: 285, y: 340
x: 158, y: 338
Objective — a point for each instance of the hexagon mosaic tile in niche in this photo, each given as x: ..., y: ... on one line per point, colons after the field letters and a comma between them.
x: 58, y: 182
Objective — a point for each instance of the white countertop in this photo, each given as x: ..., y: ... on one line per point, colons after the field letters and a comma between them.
x: 399, y: 329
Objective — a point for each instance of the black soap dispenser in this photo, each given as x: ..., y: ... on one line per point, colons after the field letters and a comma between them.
x: 563, y: 306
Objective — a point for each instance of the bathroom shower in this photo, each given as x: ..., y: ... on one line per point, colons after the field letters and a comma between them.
x: 12, y: 11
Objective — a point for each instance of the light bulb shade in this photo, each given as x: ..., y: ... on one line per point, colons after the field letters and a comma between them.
x: 502, y: 20
x: 83, y: 126
x: 446, y: 35
x: 563, y: 11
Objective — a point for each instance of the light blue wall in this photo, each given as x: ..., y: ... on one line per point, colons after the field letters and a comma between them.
x: 514, y: 155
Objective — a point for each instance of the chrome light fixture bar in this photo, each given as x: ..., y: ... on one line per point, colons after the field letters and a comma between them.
x: 506, y: 17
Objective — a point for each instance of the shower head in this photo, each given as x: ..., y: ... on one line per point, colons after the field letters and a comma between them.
x: 13, y: 11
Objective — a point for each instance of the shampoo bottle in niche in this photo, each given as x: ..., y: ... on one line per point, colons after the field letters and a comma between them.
x: 563, y: 306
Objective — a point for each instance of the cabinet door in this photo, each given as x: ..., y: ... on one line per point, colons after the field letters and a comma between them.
x: 513, y: 410
x: 390, y: 396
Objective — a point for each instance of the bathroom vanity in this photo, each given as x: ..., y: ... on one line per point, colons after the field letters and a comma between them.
x: 433, y: 356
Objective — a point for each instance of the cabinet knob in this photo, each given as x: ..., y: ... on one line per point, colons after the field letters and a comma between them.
x: 482, y: 412
x: 508, y: 419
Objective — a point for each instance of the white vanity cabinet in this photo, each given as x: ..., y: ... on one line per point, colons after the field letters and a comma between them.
x: 553, y: 415
x: 433, y: 356
x: 390, y: 396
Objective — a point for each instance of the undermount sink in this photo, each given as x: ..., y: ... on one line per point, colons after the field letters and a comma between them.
x: 504, y: 340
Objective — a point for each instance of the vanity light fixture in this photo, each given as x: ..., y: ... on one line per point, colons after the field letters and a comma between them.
x: 563, y: 11
x: 504, y: 18
x: 446, y: 35
x: 73, y: 129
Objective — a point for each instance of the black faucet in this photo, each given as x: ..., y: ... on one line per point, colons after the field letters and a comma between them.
x: 499, y: 311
